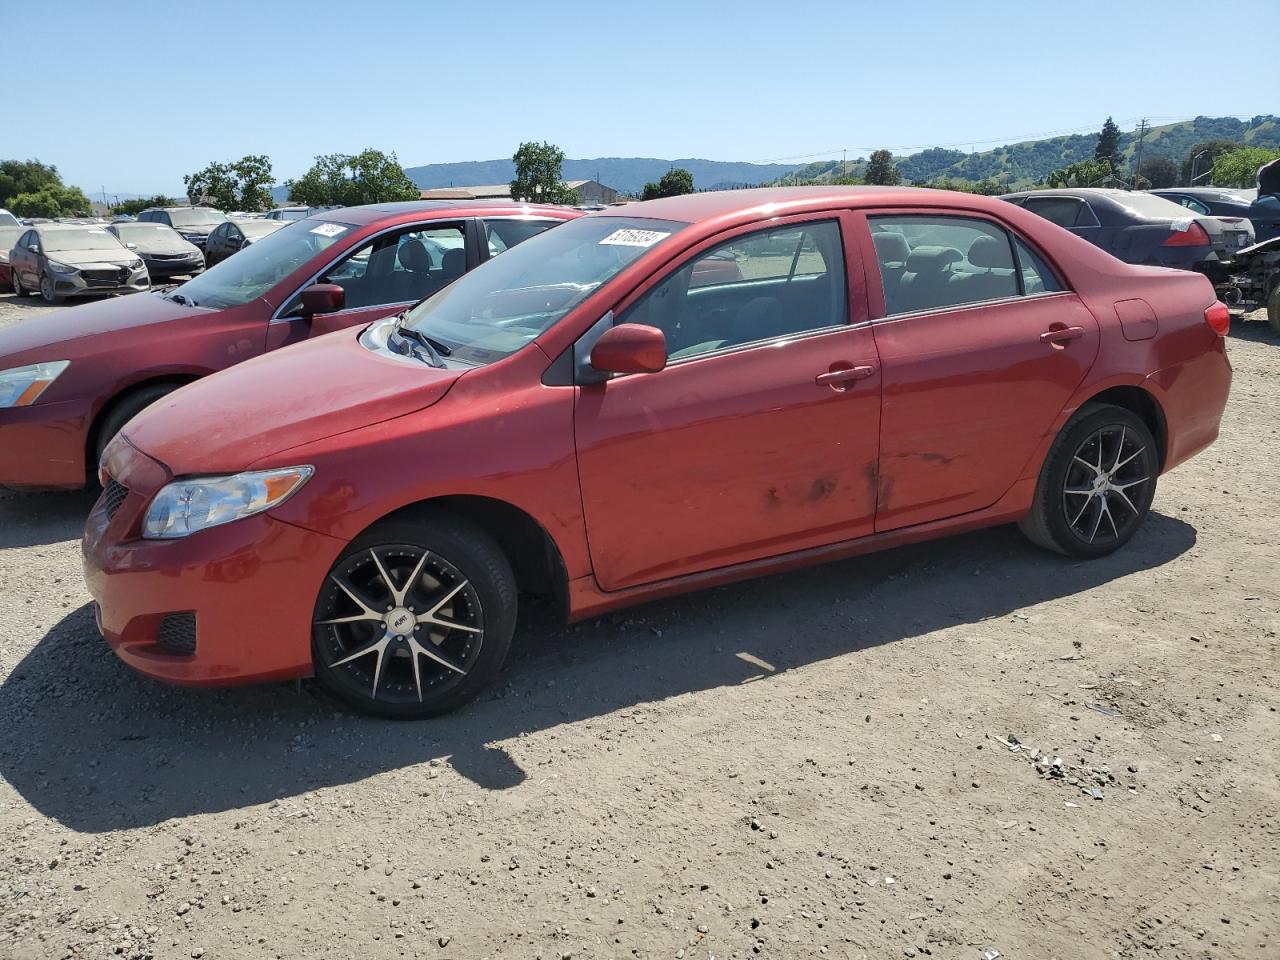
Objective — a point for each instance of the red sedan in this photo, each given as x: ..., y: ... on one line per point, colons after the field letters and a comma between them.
x: 581, y: 418
x: 68, y: 382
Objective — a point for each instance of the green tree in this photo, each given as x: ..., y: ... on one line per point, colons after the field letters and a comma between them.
x: 881, y: 169
x: 538, y: 175
x: 1239, y: 168
x: 1108, y: 149
x: 1201, y: 158
x: 33, y: 189
x: 134, y: 207
x: 241, y: 185
x: 338, y: 179
x: 673, y: 183
x: 1085, y: 173
x: 1157, y: 171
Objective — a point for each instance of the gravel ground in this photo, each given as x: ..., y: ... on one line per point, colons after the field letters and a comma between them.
x: 814, y: 763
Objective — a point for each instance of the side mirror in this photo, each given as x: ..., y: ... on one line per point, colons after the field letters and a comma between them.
x: 34, y: 248
x: 132, y: 246
x: 323, y: 298
x: 630, y: 348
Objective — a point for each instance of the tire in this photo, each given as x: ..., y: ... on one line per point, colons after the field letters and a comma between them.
x: 18, y: 289
x: 47, y: 289
x: 429, y: 640
x: 1273, y: 309
x: 125, y: 410
x: 1096, y: 485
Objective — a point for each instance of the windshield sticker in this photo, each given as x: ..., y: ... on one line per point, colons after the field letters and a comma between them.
x: 633, y: 238
x: 329, y: 229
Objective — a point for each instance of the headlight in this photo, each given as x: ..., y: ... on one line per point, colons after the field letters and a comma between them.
x: 136, y: 265
x: 61, y: 267
x: 22, y: 386
x: 185, y: 506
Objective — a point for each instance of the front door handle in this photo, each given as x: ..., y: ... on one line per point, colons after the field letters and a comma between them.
x: 834, y: 378
x: 1060, y: 333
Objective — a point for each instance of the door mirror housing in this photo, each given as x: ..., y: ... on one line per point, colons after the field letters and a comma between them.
x: 34, y: 248
x: 323, y: 298
x: 630, y: 348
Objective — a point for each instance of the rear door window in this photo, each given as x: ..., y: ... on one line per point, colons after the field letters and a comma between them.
x: 930, y: 262
x: 502, y: 235
x: 1064, y: 211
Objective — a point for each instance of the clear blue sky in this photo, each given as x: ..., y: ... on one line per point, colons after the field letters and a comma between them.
x: 148, y: 91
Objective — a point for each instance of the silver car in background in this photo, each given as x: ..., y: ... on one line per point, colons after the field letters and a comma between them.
x: 161, y: 248
x: 64, y: 260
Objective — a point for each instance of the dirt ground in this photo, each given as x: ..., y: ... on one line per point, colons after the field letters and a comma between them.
x: 811, y: 764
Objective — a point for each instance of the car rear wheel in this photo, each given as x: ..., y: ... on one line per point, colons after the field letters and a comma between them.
x: 47, y: 290
x: 1097, y: 484
x: 415, y: 618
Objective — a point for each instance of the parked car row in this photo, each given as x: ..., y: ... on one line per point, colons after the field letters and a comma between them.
x: 610, y: 408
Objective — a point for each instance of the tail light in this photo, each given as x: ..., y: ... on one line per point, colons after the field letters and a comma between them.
x: 1193, y: 236
x: 1218, y: 317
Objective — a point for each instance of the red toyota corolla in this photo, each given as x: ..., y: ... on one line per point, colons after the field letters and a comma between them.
x: 69, y: 381
x: 600, y: 416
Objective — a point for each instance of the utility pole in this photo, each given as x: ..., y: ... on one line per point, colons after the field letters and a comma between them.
x: 1137, y: 154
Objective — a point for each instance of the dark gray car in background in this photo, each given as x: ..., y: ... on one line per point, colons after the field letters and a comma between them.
x: 234, y: 235
x: 1138, y: 227
x: 1210, y: 201
x: 161, y: 248
x: 194, y: 223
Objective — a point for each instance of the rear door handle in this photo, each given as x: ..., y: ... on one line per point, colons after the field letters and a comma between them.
x: 1061, y: 334
x: 834, y: 377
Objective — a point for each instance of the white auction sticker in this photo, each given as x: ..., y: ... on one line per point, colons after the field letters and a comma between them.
x: 329, y: 229
x: 634, y: 238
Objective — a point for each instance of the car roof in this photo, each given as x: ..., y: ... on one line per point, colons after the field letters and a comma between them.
x: 443, y: 208
x: 63, y: 227
x: 1233, y: 192
x: 749, y: 204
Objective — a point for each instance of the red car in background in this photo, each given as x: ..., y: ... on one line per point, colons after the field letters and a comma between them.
x: 602, y: 416
x: 69, y: 381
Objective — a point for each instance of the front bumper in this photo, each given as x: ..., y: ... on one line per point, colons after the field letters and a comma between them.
x: 90, y: 283
x: 245, y: 591
x: 164, y: 269
x: 43, y: 445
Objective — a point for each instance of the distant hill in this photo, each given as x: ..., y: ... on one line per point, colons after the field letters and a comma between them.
x: 1029, y: 162
x: 626, y: 174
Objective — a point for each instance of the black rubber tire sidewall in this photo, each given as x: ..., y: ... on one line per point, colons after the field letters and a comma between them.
x: 1273, y: 309
x: 52, y: 299
x: 1049, y: 515
x: 128, y: 408
x: 479, y: 558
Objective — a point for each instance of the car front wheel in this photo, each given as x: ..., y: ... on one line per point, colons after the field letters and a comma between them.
x: 415, y: 618
x: 1097, y: 484
x: 47, y: 291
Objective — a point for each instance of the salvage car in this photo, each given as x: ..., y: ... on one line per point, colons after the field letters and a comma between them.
x: 194, y: 223
x: 162, y: 249
x: 1208, y: 201
x: 578, y: 417
x: 1137, y: 227
x: 234, y: 235
x: 68, y: 260
x: 70, y: 381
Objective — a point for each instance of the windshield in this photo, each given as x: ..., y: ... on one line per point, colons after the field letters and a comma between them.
x: 196, y: 217
x: 143, y: 231
x: 66, y: 241
x: 261, y: 265
x: 499, y: 307
x: 1151, y: 207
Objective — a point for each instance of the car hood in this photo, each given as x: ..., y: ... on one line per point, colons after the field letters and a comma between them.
x: 167, y: 245
x: 317, y: 389
x: 88, y: 320
x: 87, y: 258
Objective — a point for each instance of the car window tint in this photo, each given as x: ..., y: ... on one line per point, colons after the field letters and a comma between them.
x: 401, y: 267
x: 753, y: 288
x: 1194, y: 205
x: 505, y: 234
x: 1037, y: 277
x: 931, y: 262
x: 1064, y: 211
